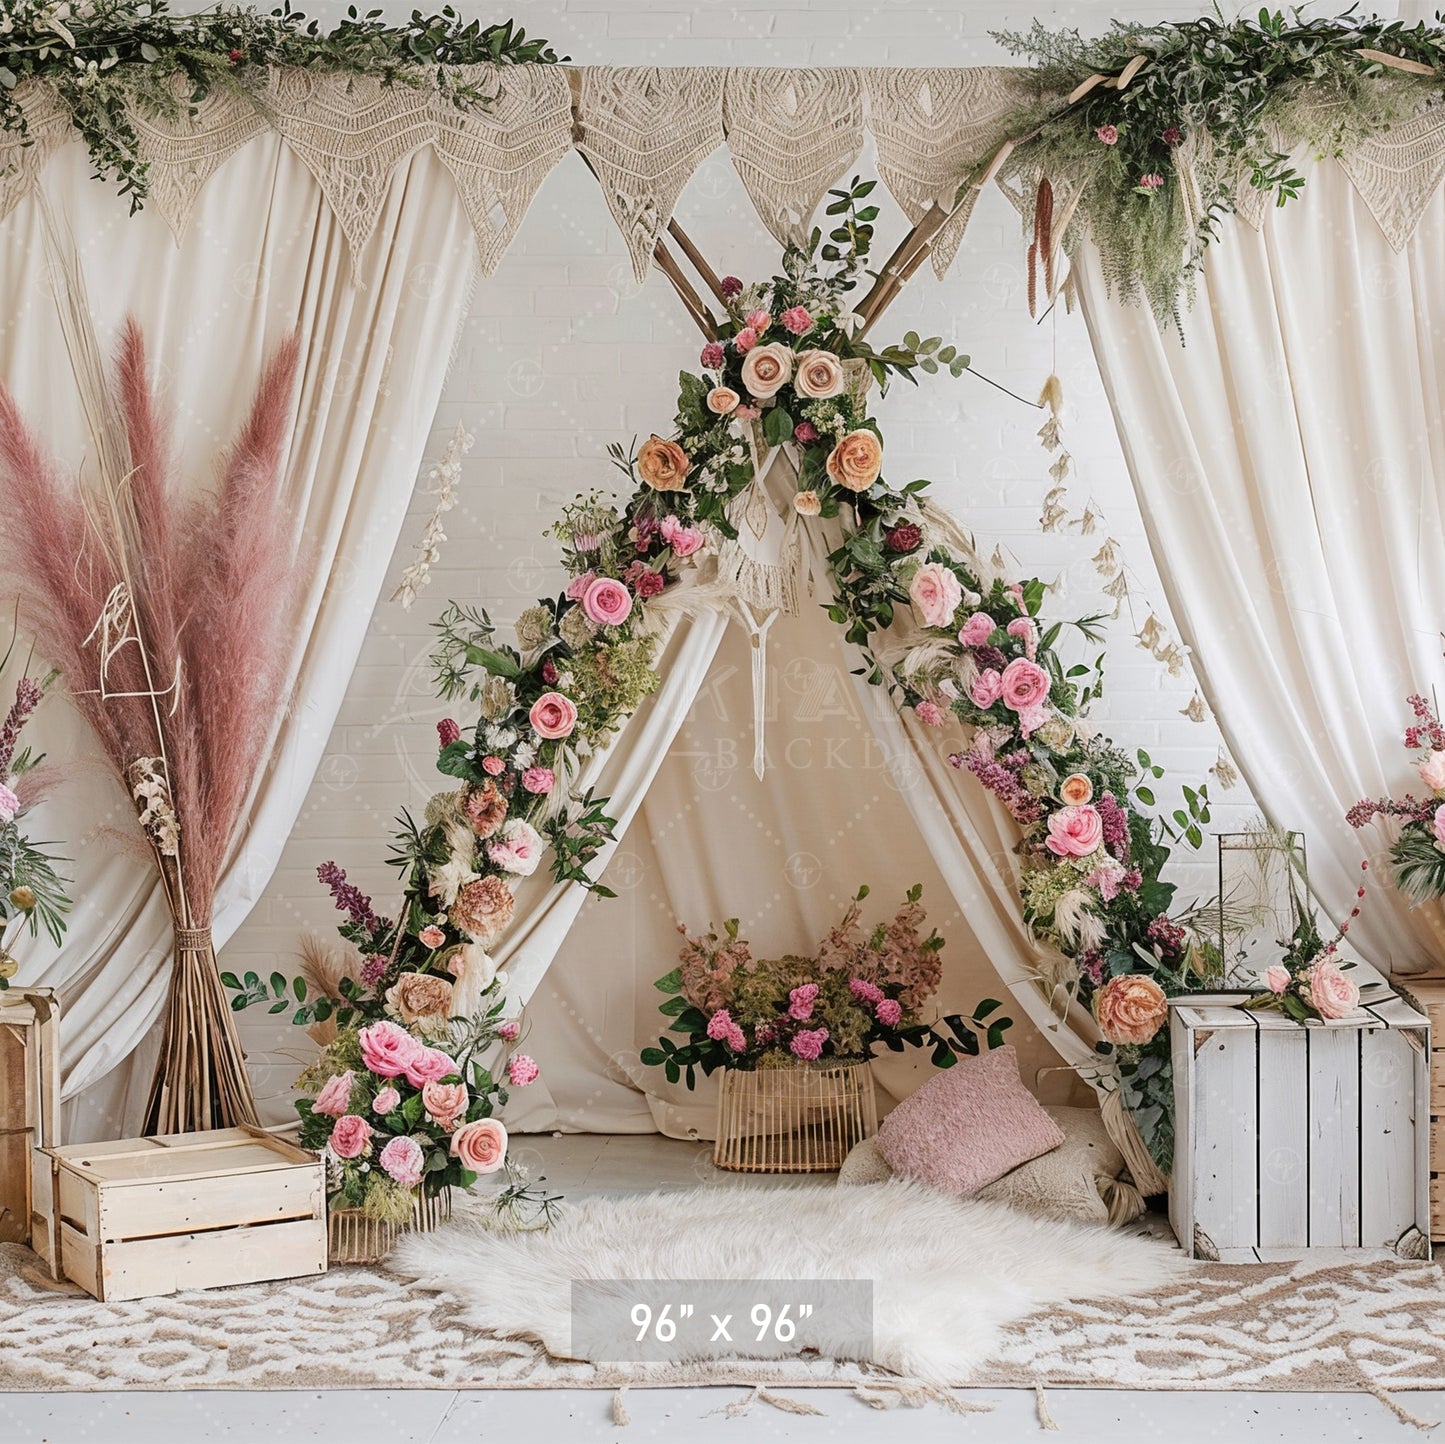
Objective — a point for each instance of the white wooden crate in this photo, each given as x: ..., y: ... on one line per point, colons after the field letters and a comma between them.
x: 1293, y: 1137
x: 29, y: 1097
x: 147, y: 1216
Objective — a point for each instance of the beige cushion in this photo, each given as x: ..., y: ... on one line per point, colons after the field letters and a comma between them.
x: 1081, y: 1178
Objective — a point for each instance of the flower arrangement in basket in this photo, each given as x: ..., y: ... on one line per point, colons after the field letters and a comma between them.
x: 863, y: 990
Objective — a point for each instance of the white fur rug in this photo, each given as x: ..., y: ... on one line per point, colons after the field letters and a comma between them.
x: 947, y: 1276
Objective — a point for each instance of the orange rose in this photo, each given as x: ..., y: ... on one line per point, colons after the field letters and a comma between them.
x: 663, y: 465
x: 481, y: 1145
x: 1076, y: 790
x: 722, y: 400
x: 1130, y: 1009
x: 820, y: 375
x: 767, y: 369
x: 856, y: 460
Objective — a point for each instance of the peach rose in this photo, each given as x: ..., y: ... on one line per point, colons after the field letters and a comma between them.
x: 807, y: 503
x: 722, y: 400
x: 415, y: 996
x: 480, y: 1145
x: 1130, y: 1009
x: 855, y: 461
x: 445, y: 1102
x: 934, y: 593
x: 483, y: 908
x: 1432, y: 771
x: 1276, y: 978
x: 767, y: 370
x: 1076, y: 790
x: 663, y: 465
x: 1332, y: 994
x: 820, y: 375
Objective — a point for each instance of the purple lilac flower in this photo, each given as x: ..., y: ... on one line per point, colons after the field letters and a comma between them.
x: 349, y: 898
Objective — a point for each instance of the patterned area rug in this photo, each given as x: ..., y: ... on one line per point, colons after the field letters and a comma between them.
x: 1377, y: 1326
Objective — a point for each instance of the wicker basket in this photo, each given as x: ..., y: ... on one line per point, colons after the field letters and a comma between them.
x: 354, y: 1238
x: 793, y: 1120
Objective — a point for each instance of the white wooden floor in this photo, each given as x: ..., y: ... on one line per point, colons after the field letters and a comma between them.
x: 587, y: 1163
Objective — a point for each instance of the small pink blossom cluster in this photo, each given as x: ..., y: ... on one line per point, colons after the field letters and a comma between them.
x: 801, y: 1001
x: 722, y: 1029
x: 1001, y: 779
x: 808, y: 1043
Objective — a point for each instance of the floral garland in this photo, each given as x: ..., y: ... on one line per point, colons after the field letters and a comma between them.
x: 103, y: 57
x: 1163, y: 124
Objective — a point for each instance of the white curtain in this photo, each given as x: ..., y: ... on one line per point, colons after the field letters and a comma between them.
x: 1289, y: 459
x: 264, y: 254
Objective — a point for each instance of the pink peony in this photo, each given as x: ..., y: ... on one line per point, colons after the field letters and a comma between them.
x: 929, y: 713
x: 889, y: 1012
x: 445, y: 1102
x: 712, y: 356
x: 335, y: 1098
x: 1023, y: 628
x: 385, y: 1101
x: 387, y: 1049
x: 1331, y: 993
x: 1075, y: 832
x: 607, y: 602
x: 865, y: 991
x: 577, y: 587
x: 1432, y: 771
x: 350, y: 1136
x: 518, y: 849
x: 745, y: 340
x: 987, y: 688
x: 493, y: 766
x: 402, y: 1158
x: 1025, y: 685
x: 510, y: 1030
x: 522, y: 1070
x: 431, y: 936
x: 480, y: 1145
x: 797, y: 320
x: 808, y: 1043
x: 538, y: 780
x: 429, y: 1065
x: 1109, y: 134
x: 553, y: 715
x: 758, y: 321
x: 977, y: 630
x: 683, y: 539
x: 801, y: 1001
x: 935, y: 593
x: 447, y: 732
x: 1277, y: 978
x: 9, y: 803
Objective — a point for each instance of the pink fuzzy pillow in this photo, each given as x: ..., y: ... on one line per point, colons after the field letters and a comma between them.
x: 968, y: 1126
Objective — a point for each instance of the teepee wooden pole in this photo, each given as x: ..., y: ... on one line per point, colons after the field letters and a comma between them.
x: 699, y: 261
x: 706, y: 322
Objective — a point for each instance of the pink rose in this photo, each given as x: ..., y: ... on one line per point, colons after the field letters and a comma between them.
x: 430, y: 1065
x: 509, y: 1030
x: 987, y: 687
x: 402, y: 1158
x: 1025, y: 684
x: 683, y: 539
x: 538, y: 780
x: 929, y: 713
x: 553, y: 715
x: 1432, y: 771
x: 1439, y: 825
x: 1109, y: 134
x: 445, y: 1102
x: 387, y: 1049
x: 522, y: 1070
x: 745, y: 340
x: 1075, y: 832
x: 797, y: 320
x: 386, y: 1101
x: 350, y: 1136
x: 518, y: 850
x: 1023, y: 629
x: 431, y: 936
x: 607, y: 602
x: 335, y: 1098
x: 889, y: 1012
x: 1276, y: 978
x: 977, y: 630
x: 577, y: 587
x: 935, y: 593
x: 493, y: 766
x: 758, y: 321
x: 1332, y: 994
x: 480, y: 1145
x: 9, y: 803
x: 805, y: 432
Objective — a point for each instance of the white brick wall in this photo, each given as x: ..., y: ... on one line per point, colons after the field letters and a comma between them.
x: 564, y: 353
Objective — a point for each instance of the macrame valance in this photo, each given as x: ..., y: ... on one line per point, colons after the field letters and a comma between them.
x: 644, y: 131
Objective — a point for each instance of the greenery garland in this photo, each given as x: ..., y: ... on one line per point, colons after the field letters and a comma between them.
x: 1208, y: 97
x: 101, y: 58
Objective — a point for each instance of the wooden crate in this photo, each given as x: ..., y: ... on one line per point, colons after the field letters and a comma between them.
x: 29, y: 1098
x: 1429, y: 997
x: 1293, y: 1137
x: 148, y: 1216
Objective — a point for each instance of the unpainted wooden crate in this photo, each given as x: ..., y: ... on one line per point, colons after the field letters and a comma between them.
x: 147, y: 1216
x: 1293, y: 1137
x: 29, y: 1098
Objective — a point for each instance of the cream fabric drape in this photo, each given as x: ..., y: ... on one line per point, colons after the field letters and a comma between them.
x: 1289, y: 459
x: 264, y: 253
